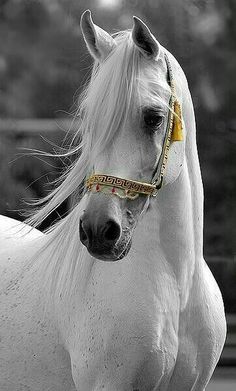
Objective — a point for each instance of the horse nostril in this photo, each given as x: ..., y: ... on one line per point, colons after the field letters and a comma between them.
x: 94, y: 236
x: 82, y: 233
x: 112, y: 231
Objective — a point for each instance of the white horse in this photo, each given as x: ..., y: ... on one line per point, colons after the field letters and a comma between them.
x: 153, y: 320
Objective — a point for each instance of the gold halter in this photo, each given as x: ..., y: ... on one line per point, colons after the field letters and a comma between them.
x: 126, y: 188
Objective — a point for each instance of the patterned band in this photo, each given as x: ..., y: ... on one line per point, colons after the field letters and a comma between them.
x: 125, y: 184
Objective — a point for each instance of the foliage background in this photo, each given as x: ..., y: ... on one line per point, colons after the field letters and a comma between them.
x: 44, y: 65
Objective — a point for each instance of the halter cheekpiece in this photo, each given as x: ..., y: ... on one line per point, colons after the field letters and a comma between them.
x: 131, y: 189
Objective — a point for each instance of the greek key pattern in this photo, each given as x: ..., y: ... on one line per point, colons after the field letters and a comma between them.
x: 120, y: 183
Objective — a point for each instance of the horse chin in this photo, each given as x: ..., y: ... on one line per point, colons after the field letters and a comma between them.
x: 112, y: 256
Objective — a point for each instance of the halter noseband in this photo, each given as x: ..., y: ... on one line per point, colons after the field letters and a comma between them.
x: 126, y: 188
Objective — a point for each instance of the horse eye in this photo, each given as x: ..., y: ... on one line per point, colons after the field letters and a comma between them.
x: 152, y: 119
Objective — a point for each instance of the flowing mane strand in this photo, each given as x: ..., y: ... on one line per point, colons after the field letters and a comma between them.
x: 104, y: 106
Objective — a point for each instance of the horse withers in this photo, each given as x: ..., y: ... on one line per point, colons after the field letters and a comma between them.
x: 116, y: 296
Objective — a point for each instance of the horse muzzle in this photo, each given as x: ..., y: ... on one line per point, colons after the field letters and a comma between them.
x: 102, y: 234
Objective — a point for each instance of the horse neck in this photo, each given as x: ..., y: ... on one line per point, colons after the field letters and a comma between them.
x: 173, y: 225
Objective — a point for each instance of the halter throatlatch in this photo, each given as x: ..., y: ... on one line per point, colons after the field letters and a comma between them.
x: 126, y: 188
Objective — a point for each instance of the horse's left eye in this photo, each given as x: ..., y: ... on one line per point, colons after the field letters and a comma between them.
x: 152, y: 119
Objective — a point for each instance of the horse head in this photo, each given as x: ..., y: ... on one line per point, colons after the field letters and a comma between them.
x: 128, y: 115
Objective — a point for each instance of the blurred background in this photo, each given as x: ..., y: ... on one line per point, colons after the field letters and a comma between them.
x: 44, y: 66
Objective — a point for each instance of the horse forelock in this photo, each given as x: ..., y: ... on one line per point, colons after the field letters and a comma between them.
x: 116, y: 91
x: 111, y: 95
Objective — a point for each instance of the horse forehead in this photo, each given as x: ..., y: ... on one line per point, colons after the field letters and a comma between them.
x: 154, y: 94
x: 153, y: 85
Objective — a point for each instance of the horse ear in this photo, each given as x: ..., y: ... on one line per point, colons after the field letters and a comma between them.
x: 144, y: 40
x: 98, y: 41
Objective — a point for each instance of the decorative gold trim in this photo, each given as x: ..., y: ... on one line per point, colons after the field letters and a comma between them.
x: 131, y: 188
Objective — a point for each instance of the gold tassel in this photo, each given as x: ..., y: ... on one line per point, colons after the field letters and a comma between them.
x: 177, y: 132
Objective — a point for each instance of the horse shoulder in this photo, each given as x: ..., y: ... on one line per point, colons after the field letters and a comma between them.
x: 213, y: 306
x: 18, y: 243
x: 202, y: 331
x: 29, y: 336
x: 14, y: 233
x: 208, y: 313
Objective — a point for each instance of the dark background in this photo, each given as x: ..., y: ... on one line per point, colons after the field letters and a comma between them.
x: 44, y: 65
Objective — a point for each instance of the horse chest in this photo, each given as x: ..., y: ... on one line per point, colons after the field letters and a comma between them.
x: 125, y: 340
